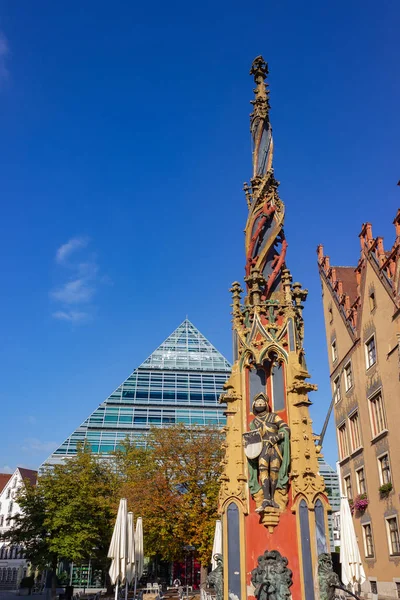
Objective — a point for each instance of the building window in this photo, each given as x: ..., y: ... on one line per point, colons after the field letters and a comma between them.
x: 1, y: 520
x: 343, y: 444
x: 384, y: 469
x: 8, y: 494
x: 398, y: 588
x: 10, y: 506
x: 368, y: 541
x: 330, y: 315
x: 337, y: 394
x: 361, y: 485
x: 372, y: 301
x: 370, y: 352
x: 14, y: 482
x: 393, y: 535
x: 355, y: 432
x: 374, y: 587
x: 348, y: 488
x: 334, y: 351
x: 348, y: 376
x: 377, y: 414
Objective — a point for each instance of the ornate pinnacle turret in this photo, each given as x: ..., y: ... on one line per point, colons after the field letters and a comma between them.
x: 259, y: 121
x: 236, y: 292
x: 259, y: 69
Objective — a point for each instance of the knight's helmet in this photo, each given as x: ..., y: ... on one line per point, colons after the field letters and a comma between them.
x: 259, y: 399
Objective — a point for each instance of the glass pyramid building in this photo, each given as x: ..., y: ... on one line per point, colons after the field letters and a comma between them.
x: 180, y: 382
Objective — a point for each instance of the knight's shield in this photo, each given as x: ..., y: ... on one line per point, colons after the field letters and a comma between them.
x: 252, y: 442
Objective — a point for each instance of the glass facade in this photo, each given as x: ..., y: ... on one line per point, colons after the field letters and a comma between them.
x: 333, y: 492
x: 180, y: 382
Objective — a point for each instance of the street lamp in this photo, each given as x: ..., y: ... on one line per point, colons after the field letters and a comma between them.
x: 187, y: 549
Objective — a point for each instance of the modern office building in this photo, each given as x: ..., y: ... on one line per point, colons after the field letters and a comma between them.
x: 333, y: 492
x: 13, y: 565
x: 362, y: 321
x: 180, y: 382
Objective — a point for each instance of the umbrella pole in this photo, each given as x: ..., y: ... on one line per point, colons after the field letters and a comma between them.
x: 134, y: 592
x: 126, y: 589
x: 116, y: 590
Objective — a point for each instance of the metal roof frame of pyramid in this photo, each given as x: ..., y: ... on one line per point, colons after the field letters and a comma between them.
x: 186, y: 349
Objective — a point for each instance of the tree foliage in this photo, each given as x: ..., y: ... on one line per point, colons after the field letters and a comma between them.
x: 173, y: 484
x: 69, y: 513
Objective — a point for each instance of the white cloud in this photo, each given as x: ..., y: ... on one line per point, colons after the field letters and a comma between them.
x: 74, y: 292
x: 82, y: 283
x: 4, y: 52
x: 36, y: 445
x: 74, y: 244
x: 31, y: 420
x: 73, y: 316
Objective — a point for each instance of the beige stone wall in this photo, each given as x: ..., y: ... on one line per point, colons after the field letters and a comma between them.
x: 383, y: 323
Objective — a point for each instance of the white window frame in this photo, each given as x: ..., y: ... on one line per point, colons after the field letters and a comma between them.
x: 379, y: 459
x: 345, y: 479
x: 342, y: 449
x: 351, y: 429
x: 334, y: 352
x: 359, y: 490
x: 346, y: 386
x: 372, y: 301
x: 367, y: 363
x: 375, y: 581
x: 337, y: 392
x: 364, y: 525
x: 371, y: 409
x: 387, y: 519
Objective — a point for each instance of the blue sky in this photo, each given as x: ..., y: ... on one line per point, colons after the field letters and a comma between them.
x: 124, y: 146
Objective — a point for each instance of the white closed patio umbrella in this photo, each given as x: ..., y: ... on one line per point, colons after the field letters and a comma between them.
x: 130, y: 560
x: 119, y: 547
x: 352, y: 569
x: 217, y: 545
x: 139, y: 556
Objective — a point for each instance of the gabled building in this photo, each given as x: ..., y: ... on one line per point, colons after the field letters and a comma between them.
x: 13, y: 565
x: 180, y: 382
x: 362, y: 320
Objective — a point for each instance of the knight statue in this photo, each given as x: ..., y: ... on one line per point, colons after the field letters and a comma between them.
x: 268, y: 452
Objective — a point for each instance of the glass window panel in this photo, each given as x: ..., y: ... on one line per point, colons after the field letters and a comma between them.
x: 107, y: 448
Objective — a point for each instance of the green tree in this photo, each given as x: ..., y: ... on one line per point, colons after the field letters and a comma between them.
x: 173, y: 484
x: 69, y: 514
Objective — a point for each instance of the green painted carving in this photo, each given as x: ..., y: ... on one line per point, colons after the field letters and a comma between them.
x: 216, y: 578
x: 327, y: 578
x: 272, y: 578
x: 267, y: 448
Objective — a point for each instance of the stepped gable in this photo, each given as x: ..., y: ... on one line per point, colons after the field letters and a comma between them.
x: 347, y: 283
